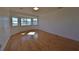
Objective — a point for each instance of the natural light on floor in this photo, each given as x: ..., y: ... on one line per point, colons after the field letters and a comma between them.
x: 34, y: 35
x: 31, y: 33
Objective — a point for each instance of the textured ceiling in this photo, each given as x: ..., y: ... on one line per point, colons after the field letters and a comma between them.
x: 29, y: 10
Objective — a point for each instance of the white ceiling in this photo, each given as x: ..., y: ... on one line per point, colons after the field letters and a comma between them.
x: 29, y: 10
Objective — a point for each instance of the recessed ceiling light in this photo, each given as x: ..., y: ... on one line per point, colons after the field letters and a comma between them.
x: 36, y: 8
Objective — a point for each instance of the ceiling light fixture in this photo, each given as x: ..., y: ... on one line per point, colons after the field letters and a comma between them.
x: 35, y: 8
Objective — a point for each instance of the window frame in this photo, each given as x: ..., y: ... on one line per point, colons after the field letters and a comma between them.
x: 37, y: 21
x: 26, y: 21
x: 19, y: 21
x: 12, y: 23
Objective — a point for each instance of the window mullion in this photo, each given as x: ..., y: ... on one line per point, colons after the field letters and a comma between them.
x: 31, y: 21
x: 19, y: 21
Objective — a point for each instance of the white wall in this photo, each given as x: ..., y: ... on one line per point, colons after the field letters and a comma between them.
x: 5, y: 31
x: 64, y: 22
x: 4, y: 27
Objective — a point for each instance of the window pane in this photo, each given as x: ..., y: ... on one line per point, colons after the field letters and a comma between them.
x: 14, y: 24
x: 14, y: 21
x: 35, y: 21
x: 28, y: 21
x: 25, y: 21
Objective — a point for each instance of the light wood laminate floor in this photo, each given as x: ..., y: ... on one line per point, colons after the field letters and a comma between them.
x: 44, y: 42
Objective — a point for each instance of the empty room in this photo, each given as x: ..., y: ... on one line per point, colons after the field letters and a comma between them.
x: 39, y: 28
